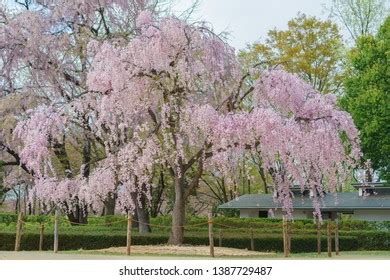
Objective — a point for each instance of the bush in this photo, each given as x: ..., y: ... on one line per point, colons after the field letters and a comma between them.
x: 299, y: 243
x: 354, y: 235
x: 261, y: 224
x: 6, y: 218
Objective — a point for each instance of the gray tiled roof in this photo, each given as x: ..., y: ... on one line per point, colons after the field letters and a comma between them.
x: 343, y: 201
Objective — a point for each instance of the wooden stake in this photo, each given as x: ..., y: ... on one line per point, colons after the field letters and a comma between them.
x: 336, y: 237
x: 252, y: 241
x: 128, y: 238
x: 56, y: 217
x: 220, y: 238
x: 285, y: 242
x: 329, y: 234
x: 289, y: 237
x: 211, y: 237
x: 318, y: 236
x: 41, y: 230
x: 18, y: 236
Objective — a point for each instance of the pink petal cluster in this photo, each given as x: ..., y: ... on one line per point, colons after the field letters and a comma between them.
x: 174, y: 96
x: 37, y: 133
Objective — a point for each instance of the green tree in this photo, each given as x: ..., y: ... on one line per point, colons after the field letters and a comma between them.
x: 309, y: 47
x: 367, y: 89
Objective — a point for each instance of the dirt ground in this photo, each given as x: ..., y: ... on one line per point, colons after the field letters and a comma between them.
x: 138, y: 252
x: 186, y: 251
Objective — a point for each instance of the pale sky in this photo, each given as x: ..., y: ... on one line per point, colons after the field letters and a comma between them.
x: 249, y: 20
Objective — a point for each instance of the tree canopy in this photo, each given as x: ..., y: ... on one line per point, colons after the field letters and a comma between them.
x: 310, y: 47
x: 367, y: 96
x: 165, y: 94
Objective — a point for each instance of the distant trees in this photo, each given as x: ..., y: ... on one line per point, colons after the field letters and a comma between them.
x: 310, y: 47
x: 359, y: 17
x: 367, y: 96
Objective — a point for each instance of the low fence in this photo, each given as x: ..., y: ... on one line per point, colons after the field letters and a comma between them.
x: 332, y: 232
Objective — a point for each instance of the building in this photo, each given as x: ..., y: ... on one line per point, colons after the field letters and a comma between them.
x: 369, y: 202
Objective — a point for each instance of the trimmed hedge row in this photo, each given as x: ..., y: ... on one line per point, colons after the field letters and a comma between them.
x: 299, y: 244
x: 266, y: 223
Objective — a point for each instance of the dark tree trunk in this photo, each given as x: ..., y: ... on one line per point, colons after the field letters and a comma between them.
x: 178, y: 214
x: 223, y: 188
x: 143, y: 217
x: 264, y: 179
x: 109, y: 206
x: 87, y: 157
x: 78, y: 216
x: 141, y: 214
x: 157, y: 196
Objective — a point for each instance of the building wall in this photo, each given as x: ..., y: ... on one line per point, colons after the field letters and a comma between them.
x: 297, y: 214
x: 371, y: 215
x: 278, y: 214
x: 364, y: 215
x: 249, y: 213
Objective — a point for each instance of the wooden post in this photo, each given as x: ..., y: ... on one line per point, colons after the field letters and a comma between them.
x: 220, y: 238
x: 128, y: 238
x: 211, y: 237
x: 336, y: 237
x: 252, y: 241
x: 318, y: 236
x: 18, y: 236
x: 56, y: 217
x: 285, y: 242
x: 41, y: 230
x: 329, y: 234
x: 289, y: 237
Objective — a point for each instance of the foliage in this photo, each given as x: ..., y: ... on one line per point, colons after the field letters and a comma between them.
x: 359, y: 17
x: 117, y: 223
x: 310, y: 47
x: 367, y: 96
x: 30, y: 241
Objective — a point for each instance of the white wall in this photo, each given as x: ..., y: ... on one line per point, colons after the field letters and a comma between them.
x: 249, y: 213
x: 297, y: 214
x: 371, y: 215
x: 278, y: 214
x: 365, y: 215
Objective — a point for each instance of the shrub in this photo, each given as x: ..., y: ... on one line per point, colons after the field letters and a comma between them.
x: 299, y: 243
x: 6, y: 218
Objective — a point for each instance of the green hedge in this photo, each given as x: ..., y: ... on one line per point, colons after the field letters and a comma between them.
x: 265, y: 224
x: 299, y: 244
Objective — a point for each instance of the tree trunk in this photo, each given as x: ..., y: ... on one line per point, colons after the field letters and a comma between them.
x: 264, y: 179
x: 143, y: 217
x: 78, y: 216
x: 157, y: 196
x: 178, y: 214
x: 109, y: 206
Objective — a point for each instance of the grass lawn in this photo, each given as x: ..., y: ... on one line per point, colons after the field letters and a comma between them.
x: 346, y: 255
